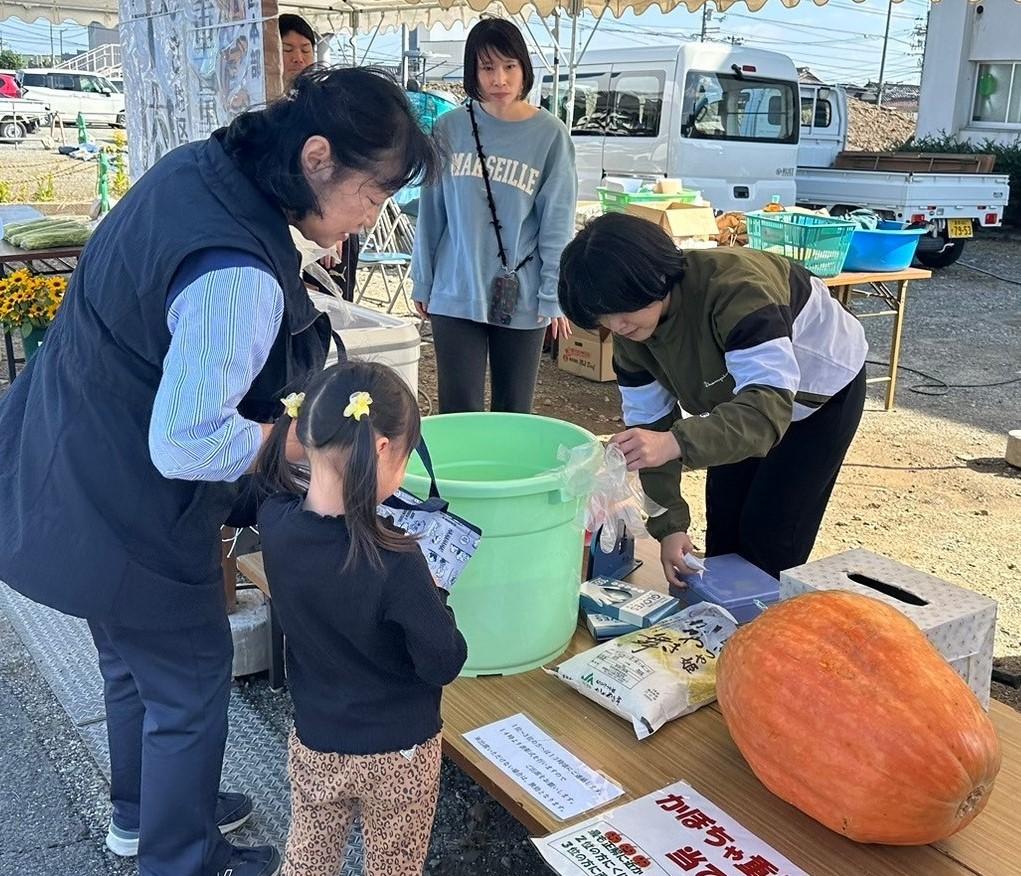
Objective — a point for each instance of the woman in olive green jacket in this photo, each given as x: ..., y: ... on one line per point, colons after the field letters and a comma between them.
x: 732, y: 360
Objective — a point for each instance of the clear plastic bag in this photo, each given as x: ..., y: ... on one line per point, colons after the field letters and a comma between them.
x: 310, y: 254
x: 614, y: 497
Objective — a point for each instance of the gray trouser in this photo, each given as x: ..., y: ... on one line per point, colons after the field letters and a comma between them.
x: 463, y: 348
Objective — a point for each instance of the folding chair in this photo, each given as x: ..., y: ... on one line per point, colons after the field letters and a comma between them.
x: 387, y: 252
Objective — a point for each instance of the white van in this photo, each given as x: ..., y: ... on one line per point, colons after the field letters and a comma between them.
x: 69, y: 92
x: 722, y: 118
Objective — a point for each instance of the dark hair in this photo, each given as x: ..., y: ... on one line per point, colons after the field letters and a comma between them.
x: 290, y: 23
x: 363, y: 114
x: 617, y: 264
x: 495, y: 36
x: 322, y: 426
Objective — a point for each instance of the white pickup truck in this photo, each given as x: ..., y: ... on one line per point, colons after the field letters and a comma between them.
x: 951, y: 204
x: 20, y: 117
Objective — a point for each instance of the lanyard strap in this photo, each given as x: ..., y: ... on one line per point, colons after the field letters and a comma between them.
x: 489, y: 193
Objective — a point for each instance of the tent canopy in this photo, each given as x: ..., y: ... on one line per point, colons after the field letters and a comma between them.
x: 337, y: 16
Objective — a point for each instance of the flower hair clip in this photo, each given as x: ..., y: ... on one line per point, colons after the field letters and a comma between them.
x: 358, y: 406
x: 292, y: 404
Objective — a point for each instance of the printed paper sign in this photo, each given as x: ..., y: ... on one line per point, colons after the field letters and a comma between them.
x: 671, y: 832
x: 566, y: 786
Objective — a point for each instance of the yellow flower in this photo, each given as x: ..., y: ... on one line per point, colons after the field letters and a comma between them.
x: 292, y: 404
x: 359, y: 405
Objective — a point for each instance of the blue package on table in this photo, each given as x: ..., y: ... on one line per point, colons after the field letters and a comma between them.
x: 627, y: 603
x: 731, y: 581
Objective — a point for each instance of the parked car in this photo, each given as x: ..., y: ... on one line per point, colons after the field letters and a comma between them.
x: 20, y: 117
x: 70, y: 92
x: 9, y: 86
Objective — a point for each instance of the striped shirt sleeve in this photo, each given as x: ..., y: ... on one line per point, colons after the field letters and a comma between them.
x: 223, y: 325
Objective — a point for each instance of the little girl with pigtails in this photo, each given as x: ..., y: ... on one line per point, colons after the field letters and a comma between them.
x: 370, y: 641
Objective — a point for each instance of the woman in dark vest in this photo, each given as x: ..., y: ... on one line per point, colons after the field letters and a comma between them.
x: 122, y: 442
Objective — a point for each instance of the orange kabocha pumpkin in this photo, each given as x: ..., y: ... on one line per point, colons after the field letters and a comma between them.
x: 843, y: 708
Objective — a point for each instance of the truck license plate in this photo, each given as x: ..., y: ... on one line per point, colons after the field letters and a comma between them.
x: 959, y: 228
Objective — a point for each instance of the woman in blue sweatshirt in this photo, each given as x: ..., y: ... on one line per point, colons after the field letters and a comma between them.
x: 491, y: 231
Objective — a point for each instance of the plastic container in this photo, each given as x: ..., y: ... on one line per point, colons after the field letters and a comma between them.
x: 891, y: 247
x: 517, y: 601
x: 372, y: 335
x: 613, y: 201
x: 819, y: 243
x: 734, y: 583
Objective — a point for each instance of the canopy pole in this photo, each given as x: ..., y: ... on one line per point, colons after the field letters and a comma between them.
x: 554, y: 98
x: 573, y: 66
x: 368, y: 48
x: 576, y: 56
x: 535, y: 42
x: 352, y: 40
x: 404, y: 56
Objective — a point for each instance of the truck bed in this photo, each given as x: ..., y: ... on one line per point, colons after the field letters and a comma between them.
x: 915, y: 162
x: 948, y: 195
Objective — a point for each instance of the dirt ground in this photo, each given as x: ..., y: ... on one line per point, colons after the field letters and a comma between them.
x: 23, y: 167
x: 926, y: 483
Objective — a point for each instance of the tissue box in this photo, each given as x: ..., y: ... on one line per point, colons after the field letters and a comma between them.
x: 731, y: 581
x: 627, y: 603
x: 602, y: 627
x: 960, y: 623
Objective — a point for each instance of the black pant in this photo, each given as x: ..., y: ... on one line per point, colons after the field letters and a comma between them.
x: 462, y: 350
x: 769, y: 510
x: 166, y: 698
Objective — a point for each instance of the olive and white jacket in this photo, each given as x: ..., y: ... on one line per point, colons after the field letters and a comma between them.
x: 749, y: 343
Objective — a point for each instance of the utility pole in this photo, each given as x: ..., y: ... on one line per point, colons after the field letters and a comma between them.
x: 53, y: 63
x: 882, y: 63
x: 707, y: 16
x: 62, y: 45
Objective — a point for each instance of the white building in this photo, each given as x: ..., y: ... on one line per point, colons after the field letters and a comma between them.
x: 971, y: 78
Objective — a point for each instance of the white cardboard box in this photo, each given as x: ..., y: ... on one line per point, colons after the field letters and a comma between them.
x: 960, y: 623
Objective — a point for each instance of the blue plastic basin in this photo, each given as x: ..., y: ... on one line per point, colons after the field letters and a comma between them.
x: 891, y: 247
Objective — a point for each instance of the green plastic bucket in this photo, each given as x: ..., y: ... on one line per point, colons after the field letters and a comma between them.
x: 517, y: 601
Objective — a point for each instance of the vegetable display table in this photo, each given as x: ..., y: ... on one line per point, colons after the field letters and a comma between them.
x: 51, y: 260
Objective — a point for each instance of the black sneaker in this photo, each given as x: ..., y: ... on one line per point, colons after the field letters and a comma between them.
x: 256, y: 861
x: 232, y: 810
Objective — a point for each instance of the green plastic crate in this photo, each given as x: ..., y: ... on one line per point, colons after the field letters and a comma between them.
x: 820, y: 243
x: 613, y: 201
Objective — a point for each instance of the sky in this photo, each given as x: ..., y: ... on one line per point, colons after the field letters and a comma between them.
x: 841, y: 41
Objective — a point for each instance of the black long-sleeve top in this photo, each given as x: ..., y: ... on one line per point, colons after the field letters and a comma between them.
x: 369, y: 650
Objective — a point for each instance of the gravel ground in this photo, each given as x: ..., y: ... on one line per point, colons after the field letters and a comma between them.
x: 24, y: 166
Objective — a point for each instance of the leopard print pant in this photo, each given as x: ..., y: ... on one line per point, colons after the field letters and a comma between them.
x: 395, y: 793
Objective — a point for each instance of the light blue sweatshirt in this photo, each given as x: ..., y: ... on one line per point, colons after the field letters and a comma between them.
x: 535, y: 187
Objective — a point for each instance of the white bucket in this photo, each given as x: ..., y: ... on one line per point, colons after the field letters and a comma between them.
x: 373, y: 336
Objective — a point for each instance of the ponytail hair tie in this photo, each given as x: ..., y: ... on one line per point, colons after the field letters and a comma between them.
x: 292, y: 404
x: 358, y: 405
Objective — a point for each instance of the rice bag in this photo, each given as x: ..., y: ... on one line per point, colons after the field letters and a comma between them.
x: 656, y: 674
